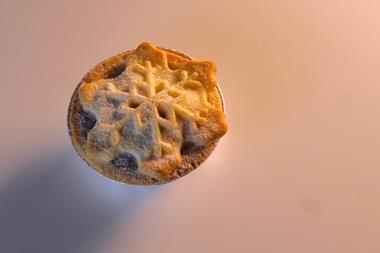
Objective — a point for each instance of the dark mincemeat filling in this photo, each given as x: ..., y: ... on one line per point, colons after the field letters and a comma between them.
x: 86, y: 122
x: 125, y: 162
x: 115, y: 72
x: 188, y: 147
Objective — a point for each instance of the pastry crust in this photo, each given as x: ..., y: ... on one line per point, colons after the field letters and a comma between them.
x: 147, y: 116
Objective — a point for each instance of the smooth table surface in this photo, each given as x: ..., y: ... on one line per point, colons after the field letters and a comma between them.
x: 297, y: 172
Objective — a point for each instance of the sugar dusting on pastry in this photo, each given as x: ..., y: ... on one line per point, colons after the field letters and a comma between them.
x: 147, y: 115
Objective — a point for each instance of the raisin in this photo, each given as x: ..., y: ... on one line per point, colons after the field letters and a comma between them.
x: 87, y: 121
x: 187, y: 147
x: 125, y: 162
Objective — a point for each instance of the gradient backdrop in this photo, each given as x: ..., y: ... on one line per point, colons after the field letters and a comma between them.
x: 298, y: 171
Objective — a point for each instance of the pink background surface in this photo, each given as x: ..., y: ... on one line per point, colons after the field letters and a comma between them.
x: 298, y: 171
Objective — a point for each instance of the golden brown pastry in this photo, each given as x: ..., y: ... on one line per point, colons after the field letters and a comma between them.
x: 147, y: 116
